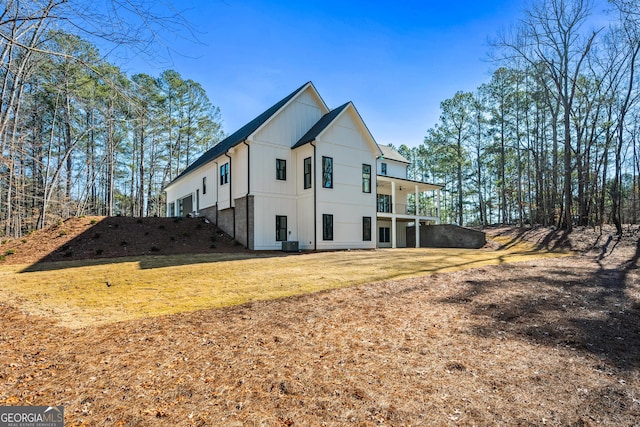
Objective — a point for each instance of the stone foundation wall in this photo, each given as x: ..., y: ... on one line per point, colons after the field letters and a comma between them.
x: 451, y: 236
x: 244, y: 228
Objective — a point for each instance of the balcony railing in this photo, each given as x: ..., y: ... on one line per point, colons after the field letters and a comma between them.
x: 404, y: 209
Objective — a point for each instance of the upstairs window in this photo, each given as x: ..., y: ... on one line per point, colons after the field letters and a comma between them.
x: 327, y: 172
x: 383, y: 168
x: 204, y: 185
x: 281, y: 170
x: 307, y: 173
x: 224, y: 174
x: 366, y: 178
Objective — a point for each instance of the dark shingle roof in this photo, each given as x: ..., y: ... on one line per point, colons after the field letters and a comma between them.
x: 240, y: 135
x: 321, y: 125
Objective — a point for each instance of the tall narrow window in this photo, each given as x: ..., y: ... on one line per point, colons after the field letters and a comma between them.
x: 281, y: 228
x: 366, y: 228
x: 281, y: 169
x: 366, y: 178
x: 327, y: 172
x: 307, y: 173
x: 224, y: 174
x: 383, y: 168
x: 197, y: 199
x: 172, y: 209
x: 327, y: 227
x: 204, y: 185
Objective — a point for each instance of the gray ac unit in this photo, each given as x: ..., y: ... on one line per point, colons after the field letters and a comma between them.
x: 290, y: 246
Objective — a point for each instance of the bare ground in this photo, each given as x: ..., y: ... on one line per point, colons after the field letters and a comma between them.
x: 548, y: 342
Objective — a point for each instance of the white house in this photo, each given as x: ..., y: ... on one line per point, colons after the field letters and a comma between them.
x: 300, y: 172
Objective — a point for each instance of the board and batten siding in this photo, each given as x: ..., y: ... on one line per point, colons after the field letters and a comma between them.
x: 188, y: 185
x: 281, y: 197
x: 395, y: 168
x: 346, y: 143
x: 290, y: 124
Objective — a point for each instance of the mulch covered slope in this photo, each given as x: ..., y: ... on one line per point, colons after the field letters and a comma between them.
x: 110, y: 237
x: 548, y: 342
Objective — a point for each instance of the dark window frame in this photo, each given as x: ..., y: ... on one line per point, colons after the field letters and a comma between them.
x: 327, y: 172
x: 307, y: 173
x: 366, y: 178
x: 280, y: 228
x: 366, y: 228
x: 384, y: 234
x: 281, y: 169
x: 224, y: 174
x: 327, y: 227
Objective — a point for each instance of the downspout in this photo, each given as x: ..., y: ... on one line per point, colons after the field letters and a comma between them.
x: 217, y: 175
x: 248, y: 187
x: 315, y: 202
x: 233, y: 208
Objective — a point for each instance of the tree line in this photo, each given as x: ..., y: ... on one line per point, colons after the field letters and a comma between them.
x: 552, y: 138
x: 77, y: 135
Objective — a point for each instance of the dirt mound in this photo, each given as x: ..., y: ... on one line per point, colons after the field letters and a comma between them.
x: 589, y: 240
x: 112, y: 237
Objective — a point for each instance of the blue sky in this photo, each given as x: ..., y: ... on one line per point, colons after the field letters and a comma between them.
x: 395, y: 60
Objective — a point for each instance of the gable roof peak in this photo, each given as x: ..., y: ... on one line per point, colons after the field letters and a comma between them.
x: 247, y: 130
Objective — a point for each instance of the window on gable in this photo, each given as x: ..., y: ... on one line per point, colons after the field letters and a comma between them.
x: 307, y: 173
x: 281, y: 228
x: 366, y: 178
x: 204, y: 185
x: 327, y: 172
x: 366, y: 228
x: 224, y: 174
x: 327, y: 227
x: 383, y: 168
x: 281, y: 169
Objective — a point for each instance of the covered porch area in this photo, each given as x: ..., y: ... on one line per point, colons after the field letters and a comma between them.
x: 404, y: 205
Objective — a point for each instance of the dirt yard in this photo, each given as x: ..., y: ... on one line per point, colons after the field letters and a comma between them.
x: 554, y: 341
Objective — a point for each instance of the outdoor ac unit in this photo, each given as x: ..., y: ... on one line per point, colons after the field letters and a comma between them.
x: 290, y: 246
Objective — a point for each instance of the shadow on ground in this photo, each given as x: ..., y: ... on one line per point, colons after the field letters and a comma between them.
x: 587, y: 308
x: 88, y: 241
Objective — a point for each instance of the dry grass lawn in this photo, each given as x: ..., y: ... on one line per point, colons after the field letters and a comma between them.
x: 92, y: 292
x: 455, y: 340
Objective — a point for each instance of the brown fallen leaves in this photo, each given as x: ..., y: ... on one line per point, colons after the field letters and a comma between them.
x: 553, y: 341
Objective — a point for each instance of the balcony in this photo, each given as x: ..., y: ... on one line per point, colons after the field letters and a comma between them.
x: 405, y: 209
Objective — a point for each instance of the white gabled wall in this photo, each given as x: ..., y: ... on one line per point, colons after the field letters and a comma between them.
x: 290, y: 124
x: 277, y: 197
x: 304, y: 212
x: 346, y: 142
x: 191, y: 184
x: 395, y: 168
